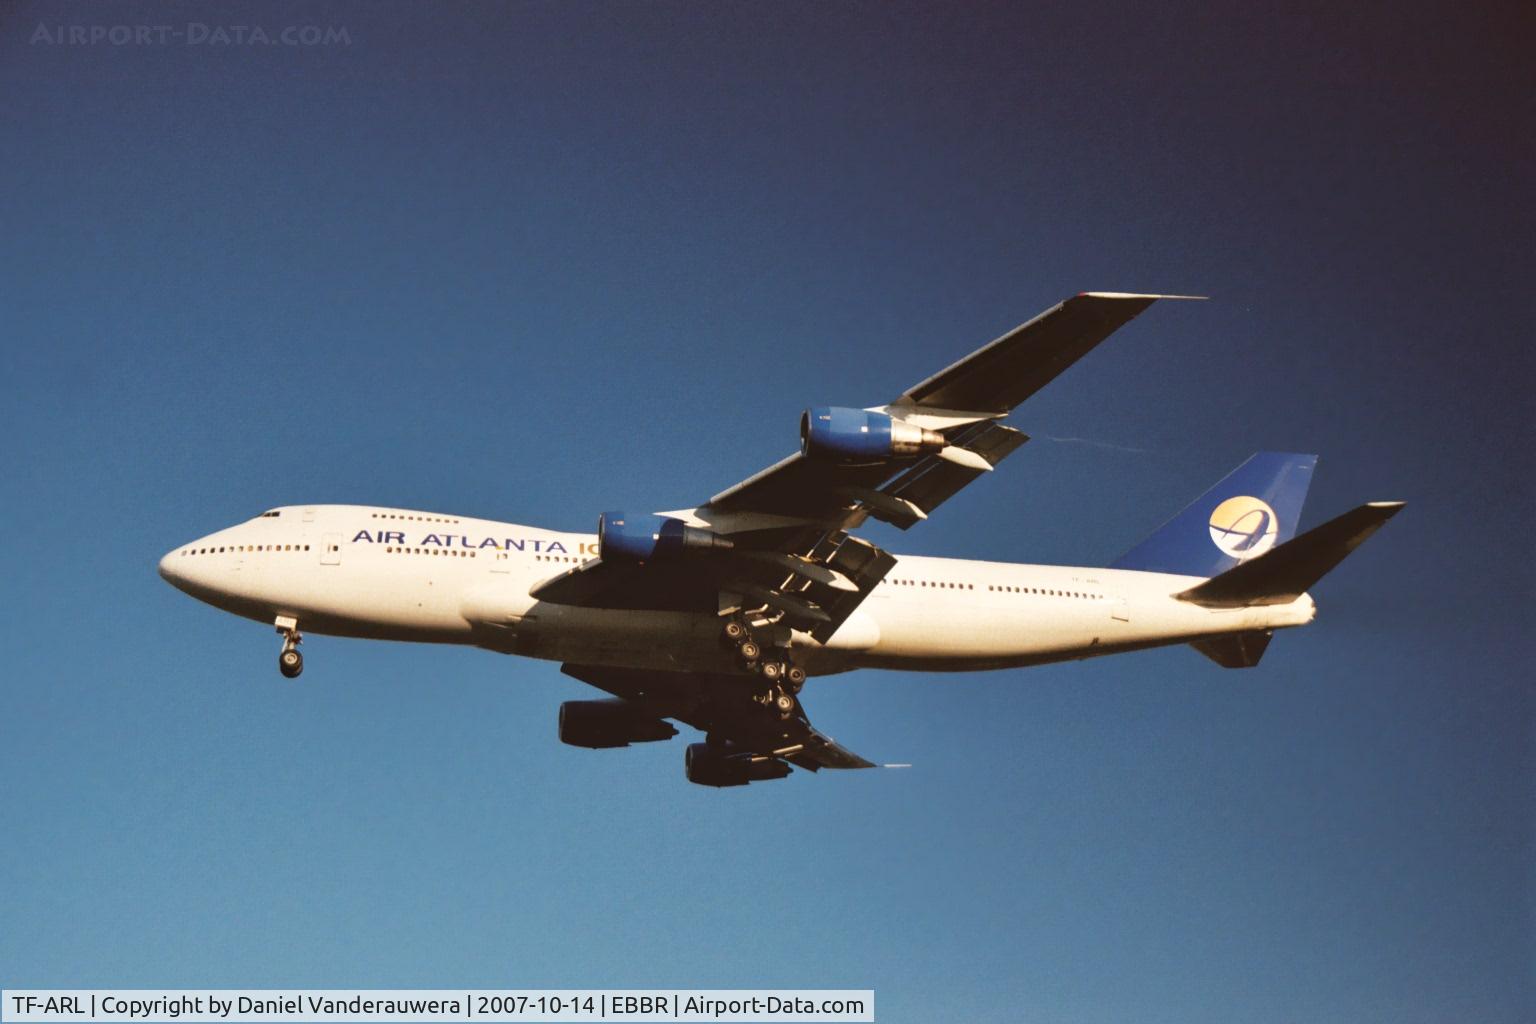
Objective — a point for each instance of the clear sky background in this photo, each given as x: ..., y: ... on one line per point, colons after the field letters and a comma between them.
x: 534, y: 261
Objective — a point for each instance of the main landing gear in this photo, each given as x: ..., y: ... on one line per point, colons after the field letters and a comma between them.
x: 290, y: 662
x: 780, y: 679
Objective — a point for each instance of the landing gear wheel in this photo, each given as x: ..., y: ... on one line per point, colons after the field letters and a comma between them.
x: 784, y: 702
x: 749, y: 651
x: 772, y: 671
x: 734, y: 631
x: 289, y: 661
x: 794, y: 679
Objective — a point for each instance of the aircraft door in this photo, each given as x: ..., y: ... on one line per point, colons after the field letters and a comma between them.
x: 330, y: 549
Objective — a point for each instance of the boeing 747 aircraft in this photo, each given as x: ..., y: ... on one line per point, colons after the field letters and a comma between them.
x: 715, y: 616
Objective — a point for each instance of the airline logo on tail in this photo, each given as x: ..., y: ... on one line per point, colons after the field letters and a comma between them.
x: 1254, y: 509
x: 1244, y: 527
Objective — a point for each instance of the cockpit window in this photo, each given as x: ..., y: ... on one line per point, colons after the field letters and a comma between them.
x: 270, y: 515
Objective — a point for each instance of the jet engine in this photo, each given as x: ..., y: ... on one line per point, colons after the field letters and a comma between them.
x: 727, y: 766
x: 852, y: 435
x: 610, y: 723
x: 628, y: 537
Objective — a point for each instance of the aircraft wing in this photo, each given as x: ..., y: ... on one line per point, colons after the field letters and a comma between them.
x: 986, y: 384
x: 705, y: 701
x: 804, y: 487
x: 787, y: 550
x: 999, y: 376
x: 808, y: 578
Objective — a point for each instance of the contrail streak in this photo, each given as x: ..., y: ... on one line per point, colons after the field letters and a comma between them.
x: 1095, y: 444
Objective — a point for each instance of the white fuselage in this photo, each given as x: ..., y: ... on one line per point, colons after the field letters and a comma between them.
x: 394, y: 574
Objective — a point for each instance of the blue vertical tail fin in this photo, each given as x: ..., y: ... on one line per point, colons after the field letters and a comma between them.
x: 1254, y: 508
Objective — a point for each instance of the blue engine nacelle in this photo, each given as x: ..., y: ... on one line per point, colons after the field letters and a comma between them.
x: 627, y: 537
x: 854, y: 435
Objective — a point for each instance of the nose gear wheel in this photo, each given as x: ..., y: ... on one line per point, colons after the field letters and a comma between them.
x: 290, y: 660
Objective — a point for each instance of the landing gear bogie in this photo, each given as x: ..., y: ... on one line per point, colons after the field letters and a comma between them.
x: 735, y: 633
x: 778, y: 680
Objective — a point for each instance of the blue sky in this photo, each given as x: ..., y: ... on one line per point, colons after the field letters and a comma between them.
x: 535, y: 261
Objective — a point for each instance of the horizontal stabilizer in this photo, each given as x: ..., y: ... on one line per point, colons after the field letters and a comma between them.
x: 1283, y: 574
x: 1235, y: 650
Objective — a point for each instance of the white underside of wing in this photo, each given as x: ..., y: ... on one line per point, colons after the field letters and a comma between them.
x: 933, y: 419
x: 1136, y: 295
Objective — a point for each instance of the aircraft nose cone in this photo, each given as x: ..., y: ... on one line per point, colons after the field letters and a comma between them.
x: 168, y: 568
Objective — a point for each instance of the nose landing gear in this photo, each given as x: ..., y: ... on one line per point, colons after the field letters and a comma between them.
x: 290, y: 662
